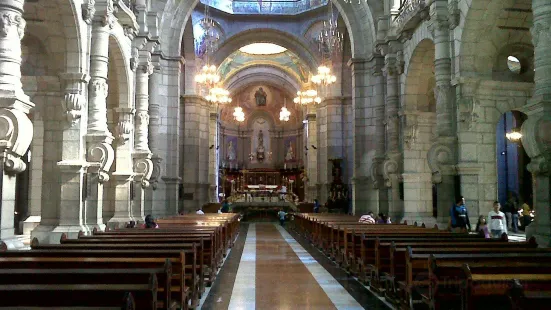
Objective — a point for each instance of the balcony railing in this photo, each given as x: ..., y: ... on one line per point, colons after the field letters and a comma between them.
x: 409, y: 10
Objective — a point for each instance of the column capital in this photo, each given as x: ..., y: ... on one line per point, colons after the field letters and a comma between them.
x: 124, y: 129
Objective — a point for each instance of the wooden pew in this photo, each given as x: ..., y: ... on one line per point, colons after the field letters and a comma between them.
x: 415, y: 287
x: 484, y: 285
x: 45, y: 287
x: 190, y: 276
x: 447, y: 276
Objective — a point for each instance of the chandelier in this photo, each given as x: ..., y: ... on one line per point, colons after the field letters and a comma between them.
x: 324, y: 76
x: 207, y: 76
x: 218, y: 95
x: 330, y: 39
x: 238, y: 114
x: 306, y: 97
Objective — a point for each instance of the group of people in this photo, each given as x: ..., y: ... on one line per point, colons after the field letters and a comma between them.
x: 369, y: 218
x: 500, y: 220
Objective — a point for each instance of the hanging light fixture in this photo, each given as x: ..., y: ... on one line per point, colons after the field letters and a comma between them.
x: 307, y: 97
x: 284, y: 114
x: 238, y: 114
x: 218, y: 95
x: 208, y: 77
x: 331, y: 42
x: 514, y: 135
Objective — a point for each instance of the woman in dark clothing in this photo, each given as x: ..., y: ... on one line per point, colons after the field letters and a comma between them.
x: 149, y: 223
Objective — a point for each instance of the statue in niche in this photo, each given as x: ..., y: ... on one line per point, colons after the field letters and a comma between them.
x: 260, y: 97
x: 231, y: 152
x: 260, y: 149
x: 290, y: 154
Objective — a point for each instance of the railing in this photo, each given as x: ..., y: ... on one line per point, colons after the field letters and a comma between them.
x: 408, y: 8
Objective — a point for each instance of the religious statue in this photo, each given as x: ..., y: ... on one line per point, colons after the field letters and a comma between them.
x: 260, y: 97
x: 231, y: 152
x: 260, y: 149
x: 290, y: 154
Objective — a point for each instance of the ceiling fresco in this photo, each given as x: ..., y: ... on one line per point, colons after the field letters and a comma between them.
x: 287, y: 61
x: 283, y: 7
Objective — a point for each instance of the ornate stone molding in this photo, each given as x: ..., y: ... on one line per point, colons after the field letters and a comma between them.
x: 375, y: 172
x: 101, y: 157
x: 156, y: 172
x: 441, y: 159
x: 454, y: 14
x: 391, y: 169
x: 10, y: 21
x: 99, y: 87
x: 125, y: 128
x: 16, y: 133
x: 411, y: 131
x: 88, y: 11
x: 109, y: 19
x: 143, y: 169
x: 134, y: 59
x: 142, y: 119
x: 73, y: 104
x: 468, y: 112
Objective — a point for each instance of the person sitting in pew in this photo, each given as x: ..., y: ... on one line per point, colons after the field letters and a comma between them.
x: 150, y: 222
x: 482, y: 227
x: 367, y: 218
x: 383, y: 219
x: 497, y: 221
x: 131, y: 224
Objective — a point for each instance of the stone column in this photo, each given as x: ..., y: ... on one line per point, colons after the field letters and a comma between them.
x: 154, y: 197
x: 214, y: 151
x: 535, y: 130
x: 16, y: 129
x: 100, y: 153
x: 312, y: 157
x: 442, y: 156
x: 360, y: 92
x: 392, y: 166
x: 204, y: 133
x: 191, y: 115
x: 378, y: 200
x: 322, y: 152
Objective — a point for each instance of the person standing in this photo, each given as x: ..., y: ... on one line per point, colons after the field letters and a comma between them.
x: 508, y: 208
x: 460, y: 216
x: 497, y: 221
x: 316, y: 206
x: 281, y: 214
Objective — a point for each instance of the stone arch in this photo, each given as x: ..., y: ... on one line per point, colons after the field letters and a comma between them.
x: 264, y: 35
x: 418, y: 125
x: 266, y: 74
x: 482, y: 39
x: 359, y: 20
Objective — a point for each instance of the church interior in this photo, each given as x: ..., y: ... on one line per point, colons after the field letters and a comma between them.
x: 289, y: 154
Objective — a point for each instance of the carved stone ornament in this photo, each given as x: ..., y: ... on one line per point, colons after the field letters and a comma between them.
x: 73, y: 104
x: 16, y: 133
x: 143, y: 168
x: 537, y: 143
x: 103, y: 155
x: 391, y: 170
x: 130, y: 32
x: 468, y: 112
x: 441, y: 161
x: 124, y: 129
x: 454, y: 16
x: 541, y: 31
x: 109, y: 18
x: 134, y: 59
x: 88, y: 11
x: 375, y: 172
x: 11, y: 21
x: 156, y: 173
x: 410, y: 135
x: 143, y: 119
x: 99, y: 88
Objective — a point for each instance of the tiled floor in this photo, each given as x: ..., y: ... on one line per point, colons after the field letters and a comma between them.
x: 277, y: 272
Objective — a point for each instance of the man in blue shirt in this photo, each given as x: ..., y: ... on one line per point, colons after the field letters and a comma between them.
x: 316, y: 206
x: 460, y: 216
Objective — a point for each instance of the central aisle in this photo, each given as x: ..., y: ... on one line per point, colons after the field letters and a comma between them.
x: 276, y: 272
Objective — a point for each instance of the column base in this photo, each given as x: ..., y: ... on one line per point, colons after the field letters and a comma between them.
x: 30, y: 224
x: 52, y: 234
x: 13, y: 243
x: 120, y: 222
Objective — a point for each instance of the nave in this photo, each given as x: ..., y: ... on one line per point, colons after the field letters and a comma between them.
x: 269, y: 269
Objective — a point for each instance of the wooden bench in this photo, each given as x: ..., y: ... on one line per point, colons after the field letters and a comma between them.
x: 190, y: 276
x: 86, y: 285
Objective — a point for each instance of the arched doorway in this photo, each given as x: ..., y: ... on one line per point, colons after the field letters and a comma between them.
x: 514, y: 181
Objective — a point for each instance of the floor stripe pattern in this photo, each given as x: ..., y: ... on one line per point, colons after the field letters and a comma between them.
x: 244, y: 292
x: 336, y: 292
